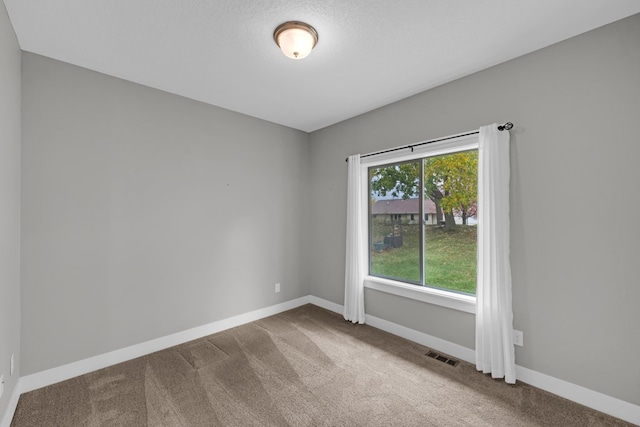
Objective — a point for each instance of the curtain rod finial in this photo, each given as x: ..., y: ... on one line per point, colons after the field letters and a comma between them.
x: 506, y: 126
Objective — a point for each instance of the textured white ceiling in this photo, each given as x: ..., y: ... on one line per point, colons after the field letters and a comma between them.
x: 369, y: 53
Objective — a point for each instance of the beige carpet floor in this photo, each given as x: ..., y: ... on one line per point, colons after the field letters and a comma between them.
x: 304, y: 367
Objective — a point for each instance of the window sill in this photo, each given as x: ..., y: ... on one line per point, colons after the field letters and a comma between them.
x: 461, y: 302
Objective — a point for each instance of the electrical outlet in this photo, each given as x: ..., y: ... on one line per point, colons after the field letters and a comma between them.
x: 518, y: 338
x: 13, y: 365
x: 277, y: 287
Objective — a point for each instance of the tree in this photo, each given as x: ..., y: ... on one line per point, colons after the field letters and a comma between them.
x: 399, y: 180
x: 450, y: 181
x: 433, y: 192
x: 455, y: 176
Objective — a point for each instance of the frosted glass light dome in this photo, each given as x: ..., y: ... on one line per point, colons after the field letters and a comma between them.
x: 295, y: 39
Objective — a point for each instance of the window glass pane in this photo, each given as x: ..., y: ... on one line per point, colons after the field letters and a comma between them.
x: 423, y: 222
x: 395, y: 234
x: 450, y: 234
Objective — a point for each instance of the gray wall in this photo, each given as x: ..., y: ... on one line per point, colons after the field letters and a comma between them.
x: 9, y: 205
x: 145, y: 214
x: 574, y: 155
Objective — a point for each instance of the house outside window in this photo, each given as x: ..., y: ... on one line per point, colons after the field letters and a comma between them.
x: 440, y: 251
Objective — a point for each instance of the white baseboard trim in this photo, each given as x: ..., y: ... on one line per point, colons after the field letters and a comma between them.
x: 584, y: 396
x: 447, y: 347
x: 598, y: 401
x: 81, y: 367
x: 427, y: 340
x: 327, y: 305
x: 11, y: 407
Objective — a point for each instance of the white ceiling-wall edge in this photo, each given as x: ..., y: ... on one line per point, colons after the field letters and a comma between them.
x: 365, y: 59
x: 169, y: 92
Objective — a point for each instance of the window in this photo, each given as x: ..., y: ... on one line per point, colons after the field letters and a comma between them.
x: 439, y: 185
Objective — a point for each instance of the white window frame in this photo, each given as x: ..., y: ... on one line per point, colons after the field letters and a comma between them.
x: 441, y: 297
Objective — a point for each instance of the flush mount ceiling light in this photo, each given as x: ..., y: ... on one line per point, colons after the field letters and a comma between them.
x: 295, y: 39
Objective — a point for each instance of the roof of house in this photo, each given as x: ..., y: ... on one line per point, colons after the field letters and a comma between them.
x: 400, y: 206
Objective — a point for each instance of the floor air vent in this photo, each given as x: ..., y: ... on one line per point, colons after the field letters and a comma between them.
x: 442, y: 358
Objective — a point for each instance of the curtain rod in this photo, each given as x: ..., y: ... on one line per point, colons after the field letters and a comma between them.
x: 506, y: 126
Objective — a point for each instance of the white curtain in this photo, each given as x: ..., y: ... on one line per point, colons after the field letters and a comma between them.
x: 495, y: 353
x: 355, y: 259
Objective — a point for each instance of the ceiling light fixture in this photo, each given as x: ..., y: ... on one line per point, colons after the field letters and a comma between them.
x: 295, y: 39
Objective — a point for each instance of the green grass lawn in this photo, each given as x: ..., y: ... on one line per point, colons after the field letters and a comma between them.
x: 450, y: 260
